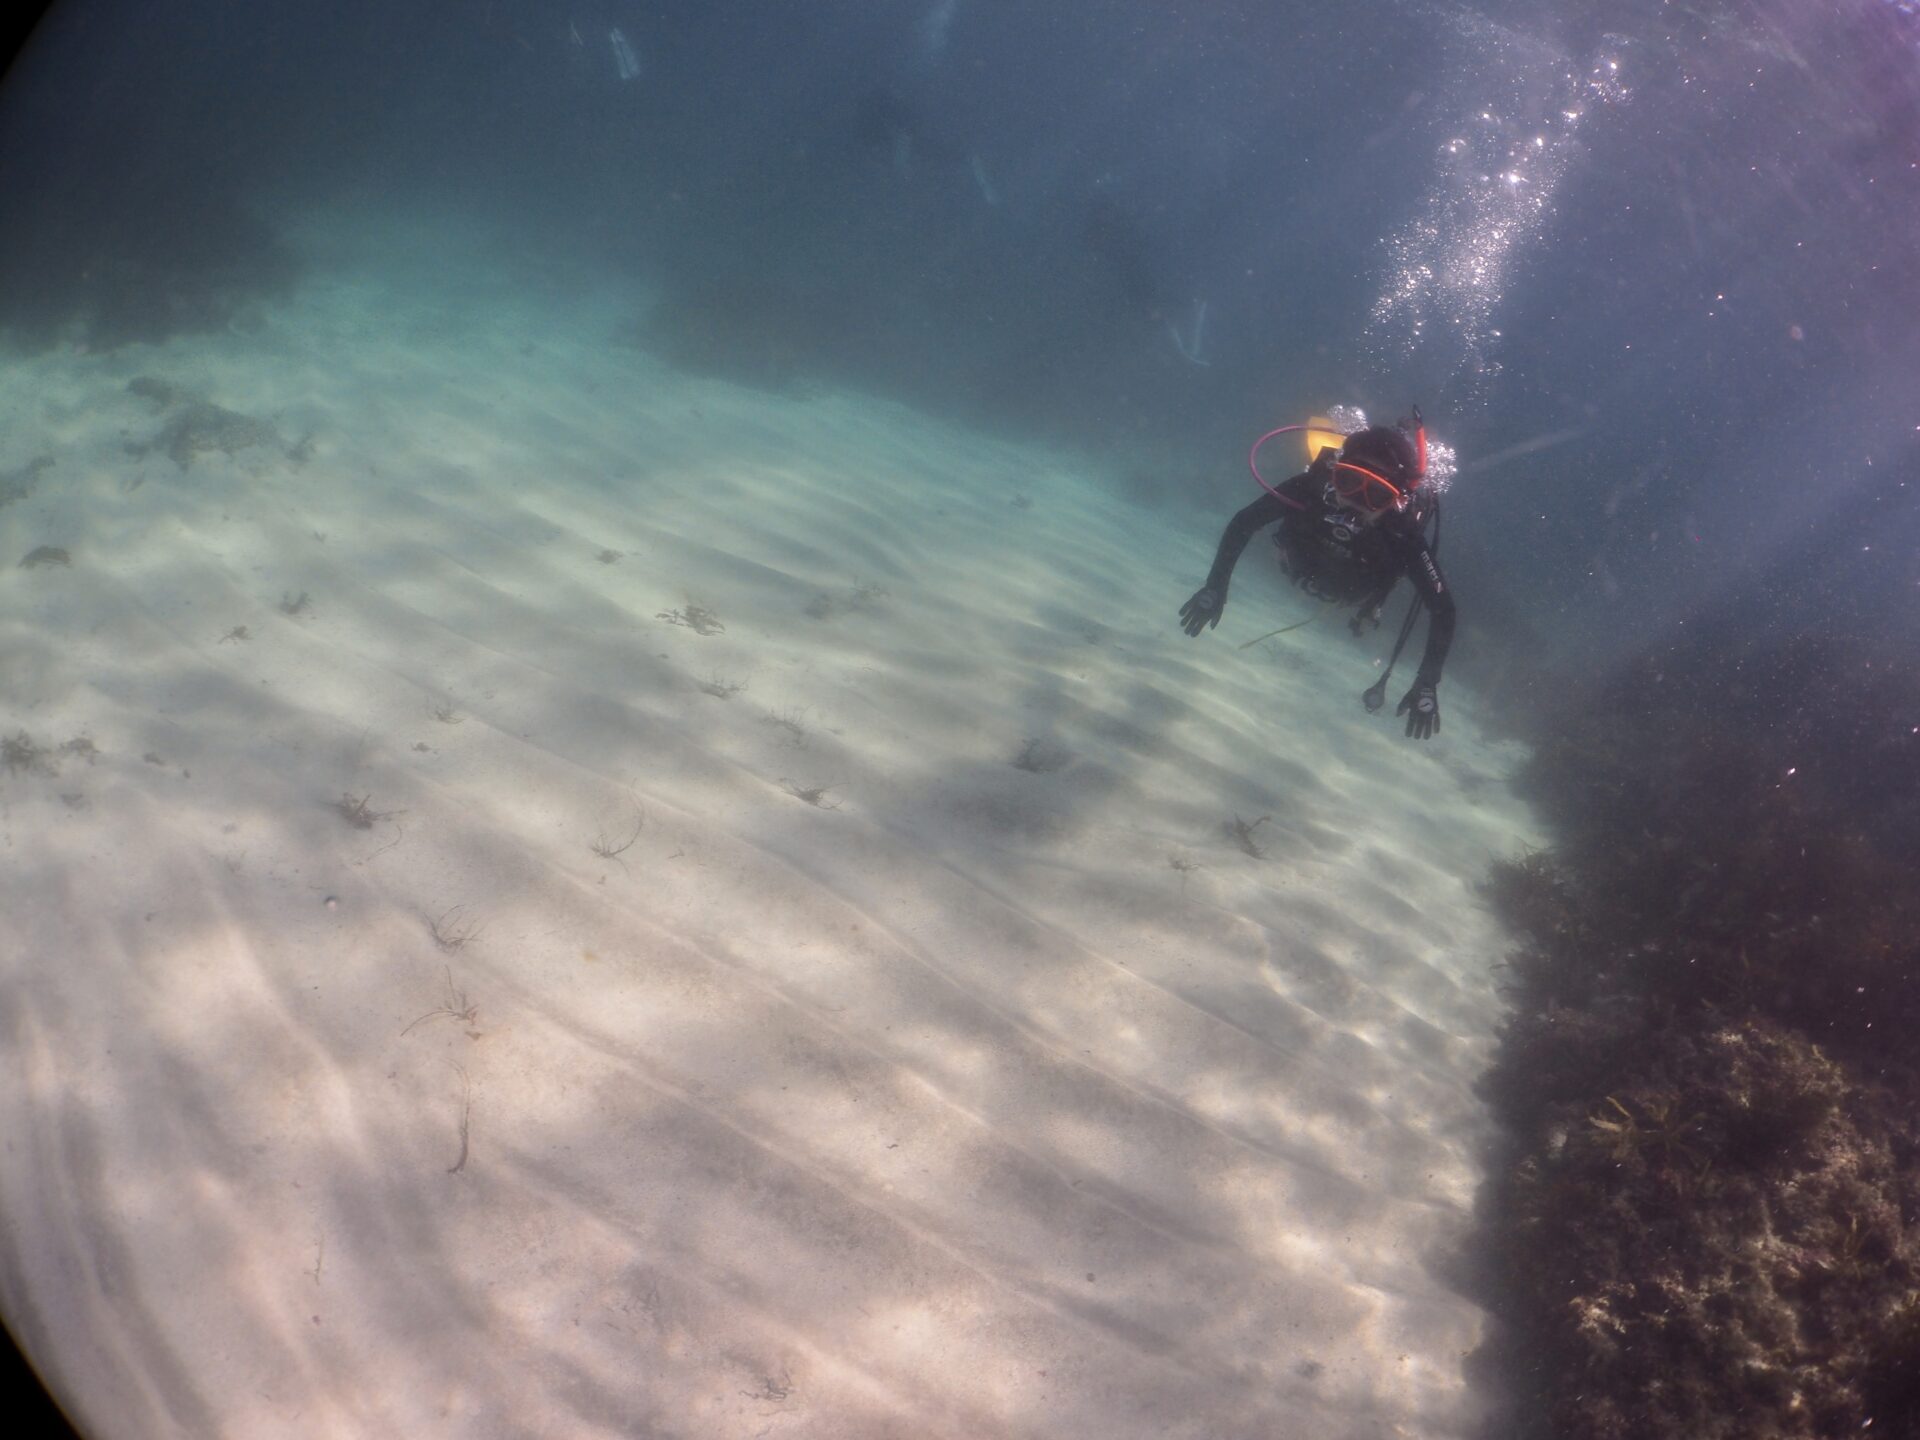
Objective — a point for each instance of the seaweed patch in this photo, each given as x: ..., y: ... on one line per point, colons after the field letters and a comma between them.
x: 1037, y: 757
x: 200, y: 427
x: 19, y: 751
x: 814, y: 795
x: 1241, y: 833
x: 695, y: 618
x: 19, y: 483
x: 359, y: 813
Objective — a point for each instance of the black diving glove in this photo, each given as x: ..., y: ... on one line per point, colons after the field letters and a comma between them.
x: 1202, y: 610
x: 1421, y: 706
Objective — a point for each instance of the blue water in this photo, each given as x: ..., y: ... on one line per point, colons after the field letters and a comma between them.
x: 1648, y: 266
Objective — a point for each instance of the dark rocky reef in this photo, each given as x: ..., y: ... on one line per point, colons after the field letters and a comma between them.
x: 1709, y: 1225
x: 104, y: 276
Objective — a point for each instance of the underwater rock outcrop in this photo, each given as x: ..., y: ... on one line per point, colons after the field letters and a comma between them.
x: 1710, y: 1226
x: 102, y: 268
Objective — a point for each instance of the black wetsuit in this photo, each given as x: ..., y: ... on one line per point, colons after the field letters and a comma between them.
x: 1333, y: 557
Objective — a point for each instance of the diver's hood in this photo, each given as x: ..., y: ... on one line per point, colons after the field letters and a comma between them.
x: 1387, y: 451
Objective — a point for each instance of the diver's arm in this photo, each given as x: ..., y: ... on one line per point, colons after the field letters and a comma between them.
x: 1203, y: 610
x: 1431, y: 585
x: 1240, y: 529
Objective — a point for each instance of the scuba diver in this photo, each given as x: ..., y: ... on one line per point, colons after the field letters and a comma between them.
x: 1351, y: 525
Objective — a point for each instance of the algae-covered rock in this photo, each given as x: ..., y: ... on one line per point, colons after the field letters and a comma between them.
x: 1709, y: 1225
x: 1715, y: 1248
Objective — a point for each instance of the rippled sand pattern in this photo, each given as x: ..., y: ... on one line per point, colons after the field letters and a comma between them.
x: 447, y: 1005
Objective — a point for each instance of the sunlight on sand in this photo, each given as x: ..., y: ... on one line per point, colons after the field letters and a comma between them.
x: 461, y: 994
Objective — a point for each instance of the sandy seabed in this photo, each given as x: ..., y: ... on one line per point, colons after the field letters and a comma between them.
x: 551, y: 896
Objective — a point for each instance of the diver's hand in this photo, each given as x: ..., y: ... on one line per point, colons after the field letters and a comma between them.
x: 1365, y: 619
x: 1202, y: 610
x: 1421, y: 706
